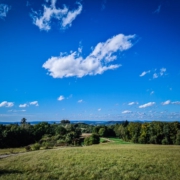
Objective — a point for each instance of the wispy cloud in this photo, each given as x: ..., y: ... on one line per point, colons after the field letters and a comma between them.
x: 80, y: 101
x: 152, y: 92
x: 157, y: 11
x: 35, y: 103
x: 60, y: 98
x: 147, y: 105
x: 6, y: 104
x: 166, y: 102
x: 132, y: 103
x: 99, y: 109
x: 64, y: 16
x: 23, y: 105
x: 176, y: 102
x: 126, y: 112
x: 144, y: 73
x: 71, y: 16
x: 73, y: 64
x: 103, y: 5
x: 4, y: 8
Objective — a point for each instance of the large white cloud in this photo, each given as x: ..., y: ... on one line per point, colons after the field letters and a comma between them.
x: 64, y: 16
x: 4, y: 8
x: 97, y: 62
x: 6, y: 104
x: 147, y: 105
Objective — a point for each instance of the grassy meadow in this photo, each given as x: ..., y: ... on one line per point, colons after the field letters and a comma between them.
x: 108, y: 161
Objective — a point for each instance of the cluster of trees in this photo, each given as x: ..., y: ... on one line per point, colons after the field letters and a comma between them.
x: 65, y: 133
x: 149, y: 133
x: 15, y: 135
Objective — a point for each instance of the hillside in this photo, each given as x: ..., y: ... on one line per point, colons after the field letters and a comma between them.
x: 104, y: 161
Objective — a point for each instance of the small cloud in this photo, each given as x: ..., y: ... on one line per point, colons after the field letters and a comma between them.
x: 65, y: 16
x: 166, y: 102
x: 6, y: 104
x: 103, y: 5
x: 132, y: 103
x: 60, y: 98
x: 155, y: 76
x: 126, y: 112
x: 99, y: 109
x: 162, y: 71
x: 27, y: 3
x: 152, y: 92
x: 80, y: 101
x: 147, y: 105
x: 176, y: 102
x: 157, y: 11
x: 4, y: 8
x: 70, y: 96
x: 71, y: 15
x: 23, y: 110
x: 34, y: 103
x: 23, y: 105
x: 73, y: 64
x: 144, y: 73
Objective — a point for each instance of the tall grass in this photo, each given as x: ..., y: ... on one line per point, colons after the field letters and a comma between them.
x: 108, y: 161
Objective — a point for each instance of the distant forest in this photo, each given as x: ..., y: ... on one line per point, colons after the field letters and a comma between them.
x: 65, y: 133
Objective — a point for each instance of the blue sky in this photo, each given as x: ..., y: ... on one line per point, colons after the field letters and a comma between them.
x: 90, y: 60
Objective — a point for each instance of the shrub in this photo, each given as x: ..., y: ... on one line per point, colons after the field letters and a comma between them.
x: 36, y: 146
x: 93, y: 139
x: 28, y: 148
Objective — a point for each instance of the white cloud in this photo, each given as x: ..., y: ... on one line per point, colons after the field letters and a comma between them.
x: 99, y: 109
x: 43, y: 21
x: 176, y: 102
x: 166, y: 102
x: 71, y: 15
x: 155, y: 75
x: 126, y: 112
x: 6, y: 104
x: 152, y: 92
x: 34, y: 103
x: 73, y: 64
x: 23, y: 105
x: 144, y: 73
x: 80, y: 101
x: 60, y: 98
x: 162, y: 71
x: 4, y: 8
x: 132, y: 103
x: 147, y: 105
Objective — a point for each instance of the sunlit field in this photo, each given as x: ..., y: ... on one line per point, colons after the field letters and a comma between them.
x: 108, y: 161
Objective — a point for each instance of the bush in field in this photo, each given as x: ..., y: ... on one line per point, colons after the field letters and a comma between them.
x: 93, y: 139
x: 28, y: 148
x: 36, y: 146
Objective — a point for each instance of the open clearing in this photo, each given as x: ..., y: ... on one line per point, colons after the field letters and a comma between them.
x: 105, y: 161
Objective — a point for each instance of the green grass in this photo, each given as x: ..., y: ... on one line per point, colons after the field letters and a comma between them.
x: 11, y: 150
x: 108, y: 161
x: 119, y: 141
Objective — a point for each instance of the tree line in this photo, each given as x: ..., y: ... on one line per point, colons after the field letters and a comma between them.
x: 65, y: 133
